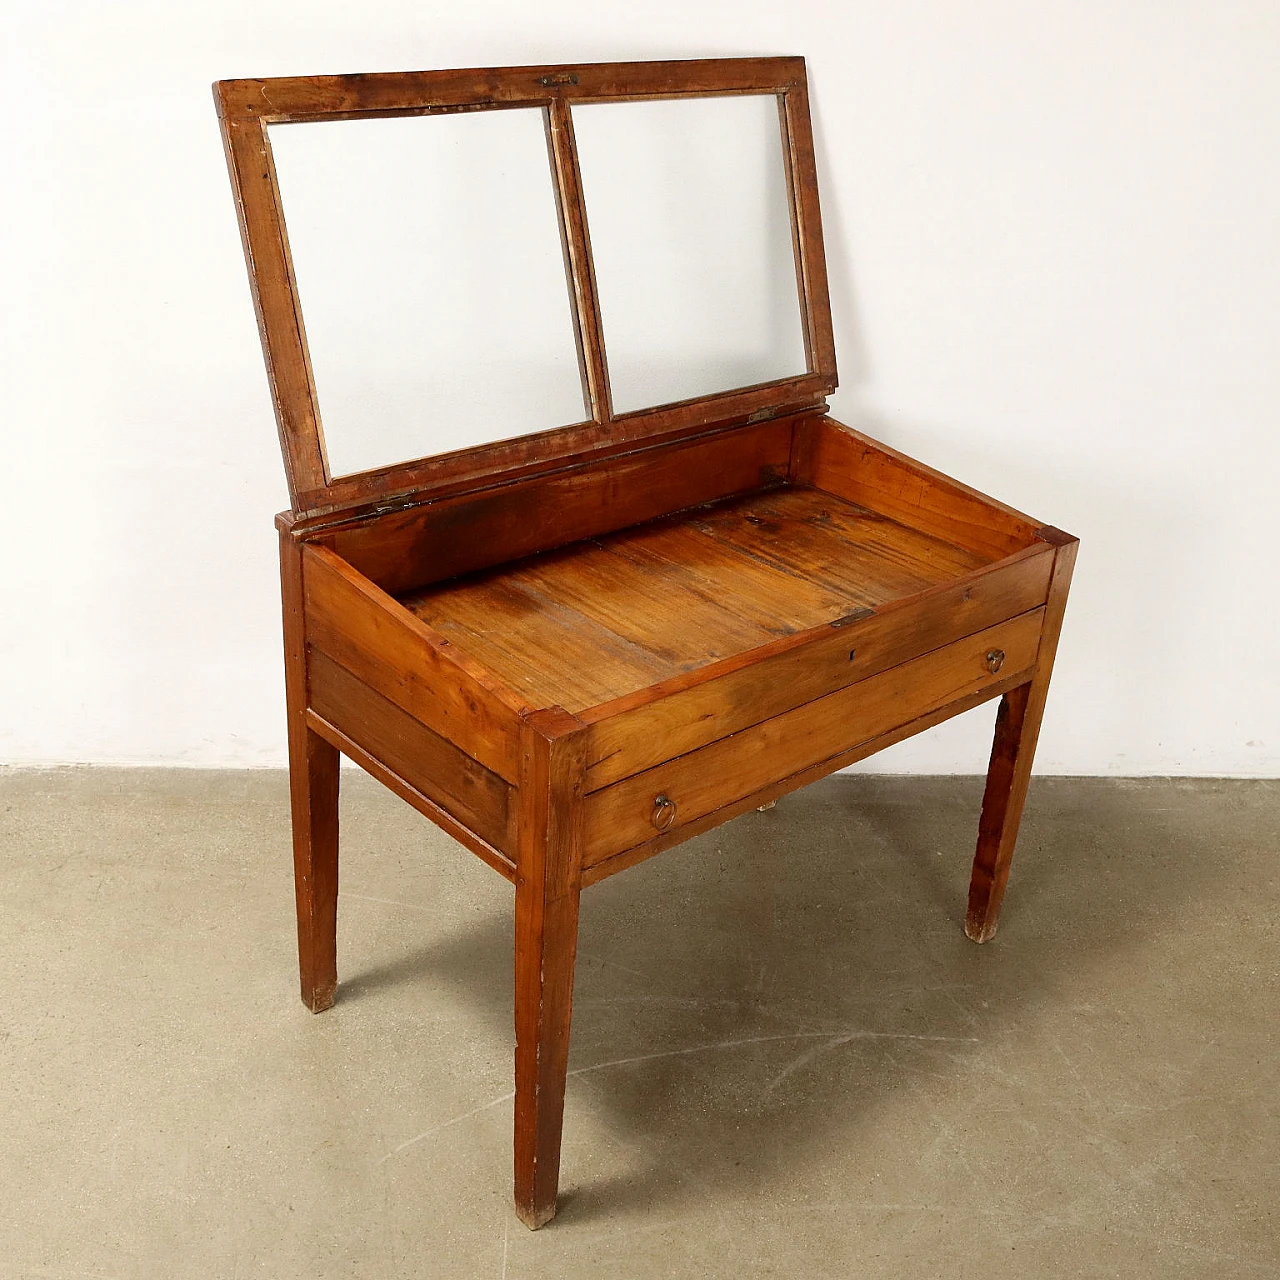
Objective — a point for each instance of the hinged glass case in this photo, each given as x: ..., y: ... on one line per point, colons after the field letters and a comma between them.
x: 577, y: 562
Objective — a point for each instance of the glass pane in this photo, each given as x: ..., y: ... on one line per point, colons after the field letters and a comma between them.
x: 691, y: 235
x: 429, y: 266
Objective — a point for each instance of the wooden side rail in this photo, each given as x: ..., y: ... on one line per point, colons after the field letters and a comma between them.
x: 364, y: 630
x: 843, y: 461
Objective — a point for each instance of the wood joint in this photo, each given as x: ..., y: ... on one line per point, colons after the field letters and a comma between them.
x: 856, y: 616
x: 1054, y: 537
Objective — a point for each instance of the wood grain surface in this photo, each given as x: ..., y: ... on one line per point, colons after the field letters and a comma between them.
x: 742, y: 763
x: 575, y: 649
x: 606, y: 617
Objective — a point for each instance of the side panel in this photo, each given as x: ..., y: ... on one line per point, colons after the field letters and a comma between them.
x: 371, y: 636
x: 479, y: 799
x: 842, y: 461
x: 407, y: 549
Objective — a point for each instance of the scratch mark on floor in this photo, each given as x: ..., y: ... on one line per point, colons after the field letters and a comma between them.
x: 802, y: 1060
x: 386, y: 902
x: 1071, y: 1066
x: 664, y: 1002
x: 446, y: 1124
x: 609, y: 963
x: 841, y: 1037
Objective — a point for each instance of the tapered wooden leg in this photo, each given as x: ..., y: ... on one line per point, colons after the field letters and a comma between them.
x: 548, y: 888
x: 546, y: 941
x: 313, y: 797
x: 313, y: 789
x: 1012, y: 753
x: 1007, y: 781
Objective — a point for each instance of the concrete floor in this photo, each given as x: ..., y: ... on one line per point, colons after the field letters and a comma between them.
x: 787, y: 1059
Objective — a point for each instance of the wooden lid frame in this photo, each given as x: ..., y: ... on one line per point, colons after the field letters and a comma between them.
x: 247, y: 107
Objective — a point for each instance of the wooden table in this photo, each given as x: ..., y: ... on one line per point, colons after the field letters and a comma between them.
x: 579, y: 648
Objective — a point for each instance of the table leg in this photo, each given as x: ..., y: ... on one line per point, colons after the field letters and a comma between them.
x: 546, y: 942
x: 313, y: 800
x: 313, y: 788
x: 1012, y: 753
x: 548, y: 889
x: 1007, y: 781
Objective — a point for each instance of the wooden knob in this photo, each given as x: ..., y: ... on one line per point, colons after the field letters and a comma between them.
x: 995, y: 660
x: 664, y: 812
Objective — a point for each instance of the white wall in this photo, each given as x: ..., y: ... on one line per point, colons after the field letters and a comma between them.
x: 1053, y: 240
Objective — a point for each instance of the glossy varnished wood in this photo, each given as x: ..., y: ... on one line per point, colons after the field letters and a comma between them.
x: 666, y: 720
x: 576, y: 240
x: 480, y: 800
x: 766, y: 795
x: 280, y: 329
x: 298, y: 98
x: 411, y: 665
x: 841, y: 460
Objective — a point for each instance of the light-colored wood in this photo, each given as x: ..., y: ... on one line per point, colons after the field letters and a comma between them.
x: 702, y: 781
x: 365, y: 630
x: 1012, y: 754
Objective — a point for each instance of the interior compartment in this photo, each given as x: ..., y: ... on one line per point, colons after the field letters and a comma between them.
x: 598, y: 619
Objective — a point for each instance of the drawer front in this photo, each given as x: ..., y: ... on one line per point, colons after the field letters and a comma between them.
x: 626, y: 740
x: 661, y: 799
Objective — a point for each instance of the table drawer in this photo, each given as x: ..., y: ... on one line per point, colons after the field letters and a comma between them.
x: 625, y: 739
x: 680, y: 790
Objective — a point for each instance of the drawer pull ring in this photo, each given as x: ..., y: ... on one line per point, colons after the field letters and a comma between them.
x: 995, y: 660
x: 664, y: 812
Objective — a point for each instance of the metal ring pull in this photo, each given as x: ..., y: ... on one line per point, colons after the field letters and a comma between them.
x: 995, y: 660
x: 664, y: 812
